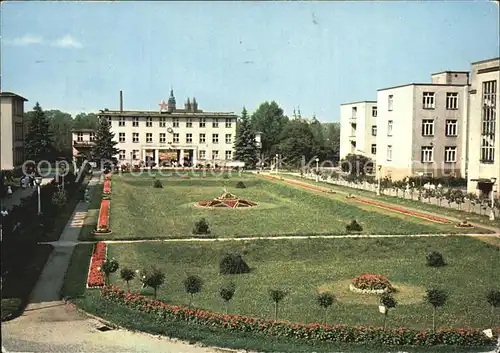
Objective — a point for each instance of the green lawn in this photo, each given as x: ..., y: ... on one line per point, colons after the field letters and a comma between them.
x: 140, y: 211
x: 305, y: 266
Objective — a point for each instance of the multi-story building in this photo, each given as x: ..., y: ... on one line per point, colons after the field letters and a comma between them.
x: 358, y: 129
x: 484, y: 127
x: 12, y: 130
x: 422, y: 127
x: 188, y: 136
x: 83, y: 140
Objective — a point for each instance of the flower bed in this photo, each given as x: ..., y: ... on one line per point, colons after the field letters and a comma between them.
x: 371, y: 284
x: 95, y: 276
x: 107, y: 187
x: 103, y: 222
x: 162, y: 312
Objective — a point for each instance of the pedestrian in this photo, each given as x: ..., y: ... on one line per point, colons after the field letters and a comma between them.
x: 4, y: 212
x: 9, y: 191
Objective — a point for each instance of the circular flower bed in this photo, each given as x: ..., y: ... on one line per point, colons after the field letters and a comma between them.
x: 464, y: 224
x: 371, y: 284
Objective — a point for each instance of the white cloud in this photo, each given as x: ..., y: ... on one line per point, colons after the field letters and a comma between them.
x: 27, y: 39
x: 67, y: 42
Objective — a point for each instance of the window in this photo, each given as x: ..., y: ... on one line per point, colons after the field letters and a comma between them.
x: 488, y: 122
x: 189, y: 138
x: 228, y: 125
x: 202, y: 122
x: 354, y: 112
x: 163, y: 137
x: 176, y: 138
x: 389, y: 152
x: 92, y: 136
x: 228, y: 138
x: 149, y: 137
x: 215, y: 138
x: 121, y: 137
x: 135, y: 122
x: 215, y: 154
x: 426, y: 154
x: 451, y: 128
x: 374, y: 148
x: 135, y: 154
x: 189, y: 122
x: 215, y: 123
x: 390, y: 102
x: 18, y: 132
x: 108, y: 118
x: 202, y: 138
x: 389, y: 128
x: 427, y: 127
x: 149, y: 122
x: 79, y: 136
x: 202, y: 154
x: 121, y: 121
x: 374, y: 130
x: 163, y: 122
x: 229, y: 155
x: 450, y: 154
x: 428, y: 100
x: 451, y: 100
x: 175, y: 122
x: 135, y: 137
x: 122, y: 155
x: 374, y: 112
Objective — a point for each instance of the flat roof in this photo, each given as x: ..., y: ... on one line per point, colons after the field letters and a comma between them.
x: 423, y: 84
x: 451, y: 72
x: 358, y: 102
x: 13, y: 95
x: 485, y: 61
x: 82, y: 130
x: 158, y: 113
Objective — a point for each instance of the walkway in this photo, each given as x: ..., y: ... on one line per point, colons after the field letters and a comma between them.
x: 20, y: 194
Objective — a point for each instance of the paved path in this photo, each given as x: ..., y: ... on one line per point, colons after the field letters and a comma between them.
x: 20, y: 194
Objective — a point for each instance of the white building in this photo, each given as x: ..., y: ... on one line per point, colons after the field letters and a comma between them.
x: 421, y: 128
x: 11, y: 130
x: 358, y: 129
x: 188, y: 136
x: 484, y: 127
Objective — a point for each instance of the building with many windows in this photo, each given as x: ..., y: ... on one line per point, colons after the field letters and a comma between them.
x: 484, y: 127
x: 422, y: 127
x: 358, y: 129
x: 12, y: 130
x: 173, y: 136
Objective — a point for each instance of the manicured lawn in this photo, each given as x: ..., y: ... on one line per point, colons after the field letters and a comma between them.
x: 140, y: 211
x: 305, y: 266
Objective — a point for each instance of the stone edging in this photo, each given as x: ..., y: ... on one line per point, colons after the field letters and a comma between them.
x: 367, y: 291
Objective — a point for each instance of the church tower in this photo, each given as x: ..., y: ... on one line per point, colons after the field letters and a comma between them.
x: 171, y: 101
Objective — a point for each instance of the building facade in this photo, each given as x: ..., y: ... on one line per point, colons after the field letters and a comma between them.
x: 422, y: 128
x: 172, y: 136
x: 484, y: 127
x: 12, y: 130
x: 83, y: 141
x: 358, y: 129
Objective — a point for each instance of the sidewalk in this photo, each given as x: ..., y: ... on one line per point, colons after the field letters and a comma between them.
x: 20, y: 194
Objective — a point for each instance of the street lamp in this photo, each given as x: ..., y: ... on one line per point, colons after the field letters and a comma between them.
x: 378, y: 181
x: 277, y: 162
x: 62, y: 171
x: 317, y: 169
x: 38, y: 181
x: 492, y: 211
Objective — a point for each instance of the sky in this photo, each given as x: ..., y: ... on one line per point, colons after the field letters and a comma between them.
x: 77, y: 56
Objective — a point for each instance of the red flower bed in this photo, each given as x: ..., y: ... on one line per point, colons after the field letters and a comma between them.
x: 108, y: 176
x: 103, y: 222
x: 107, y: 187
x: 96, y: 276
x: 372, y: 282
x: 165, y: 313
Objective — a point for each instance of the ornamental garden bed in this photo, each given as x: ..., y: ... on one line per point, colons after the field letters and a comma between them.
x: 371, y: 284
x: 95, y: 278
x: 103, y: 220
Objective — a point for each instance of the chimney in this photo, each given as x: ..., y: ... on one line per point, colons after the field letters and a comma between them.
x: 121, y: 101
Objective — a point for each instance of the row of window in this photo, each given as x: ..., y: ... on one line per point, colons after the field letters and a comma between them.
x: 79, y: 136
x: 426, y: 153
x: 429, y: 101
x: 202, y: 122
x: 176, y: 138
x: 228, y: 155
x: 488, y: 121
x: 355, y: 112
x: 451, y: 128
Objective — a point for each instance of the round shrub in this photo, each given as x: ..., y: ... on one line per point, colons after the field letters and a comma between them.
x: 157, y: 184
x: 435, y: 259
x: 233, y: 264
x: 354, y: 226
x: 201, y: 227
x: 240, y: 185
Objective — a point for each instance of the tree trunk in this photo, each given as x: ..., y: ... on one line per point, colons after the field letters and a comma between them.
x: 326, y: 315
x: 227, y: 307
x: 434, y: 319
x: 275, y: 311
x: 385, y: 317
x: 190, y: 299
x: 128, y: 286
x: 155, y: 293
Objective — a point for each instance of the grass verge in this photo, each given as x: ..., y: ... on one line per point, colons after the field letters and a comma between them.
x: 75, y: 280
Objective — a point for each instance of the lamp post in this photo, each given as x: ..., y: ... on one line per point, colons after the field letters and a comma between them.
x: 62, y: 169
x: 277, y: 162
x: 38, y: 181
x: 379, y: 181
x: 492, y: 206
x: 317, y: 169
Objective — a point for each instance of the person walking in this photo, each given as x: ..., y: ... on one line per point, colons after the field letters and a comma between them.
x: 9, y: 191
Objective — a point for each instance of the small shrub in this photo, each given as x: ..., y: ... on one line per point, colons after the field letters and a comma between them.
x: 437, y: 298
x: 493, y: 298
x: 325, y: 300
x: 277, y: 295
x: 225, y: 176
x: 201, y: 227
x: 157, y: 184
x: 389, y: 302
x: 153, y: 278
x: 60, y: 198
x: 240, y: 185
x: 109, y: 267
x: 435, y: 259
x: 227, y: 293
x: 193, y: 285
x: 127, y: 275
x: 354, y: 226
x: 233, y: 264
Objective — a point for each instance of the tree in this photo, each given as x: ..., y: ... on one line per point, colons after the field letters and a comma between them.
x: 277, y: 295
x: 127, y: 275
x: 61, y: 124
x: 437, y: 298
x: 389, y: 302
x: 493, y: 298
x: 193, y: 285
x: 270, y: 120
x: 109, y: 267
x: 39, y: 143
x: 325, y: 300
x: 227, y: 293
x: 332, y: 141
x: 153, y: 278
x: 356, y: 164
x: 86, y: 121
x: 245, y: 148
x: 104, y: 150
x: 296, y: 142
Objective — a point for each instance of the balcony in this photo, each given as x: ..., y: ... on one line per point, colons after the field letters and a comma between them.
x: 80, y: 144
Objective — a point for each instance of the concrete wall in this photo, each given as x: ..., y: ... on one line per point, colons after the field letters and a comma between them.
x: 12, y: 146
x: 361, y: 134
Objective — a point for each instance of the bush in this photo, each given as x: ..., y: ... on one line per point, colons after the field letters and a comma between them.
x: 153, y: 278
x: 193, y: 285
x: 127, y: 275
x: 354, y: 226
x: 60, y: 198
x: 157, y: 184
x: 435, y: 259
x: 240, y: 185
x: 227, y: 293
x: 233, y: 264
x: 201, y: 227
x: 109, y: 267
x: 325, y: 300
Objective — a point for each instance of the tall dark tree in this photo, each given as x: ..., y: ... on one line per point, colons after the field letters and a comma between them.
x: 104, y: 151
x: 85, y: 121
x: 245, y: 148
x: 39, y: 143
x: 296, y: 142
x: 270, y: 120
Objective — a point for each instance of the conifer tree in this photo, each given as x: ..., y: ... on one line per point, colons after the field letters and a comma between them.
x: 39, y: 143
x: 104, y: 151
x: 244, y: 145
